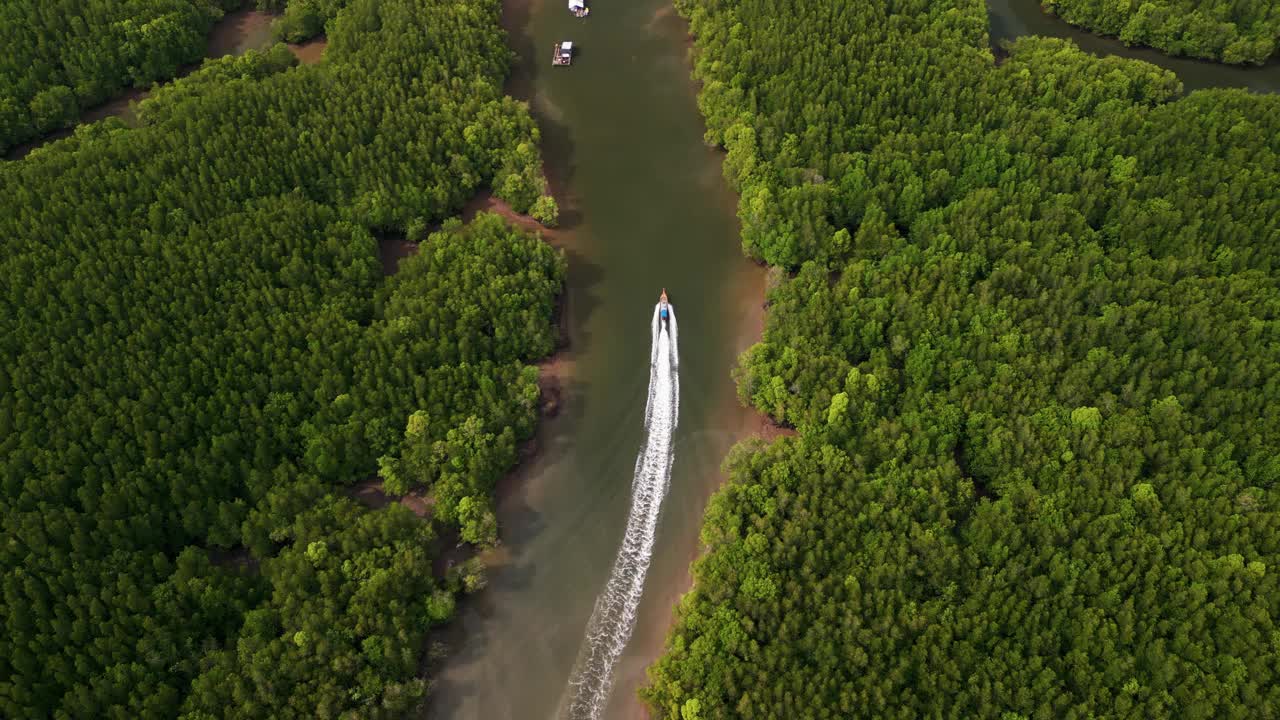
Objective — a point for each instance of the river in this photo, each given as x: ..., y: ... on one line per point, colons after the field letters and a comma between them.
x: 1014, y: 18
x: 644, y: 206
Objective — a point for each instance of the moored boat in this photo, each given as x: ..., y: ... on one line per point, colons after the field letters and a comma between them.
x: 563, y: 54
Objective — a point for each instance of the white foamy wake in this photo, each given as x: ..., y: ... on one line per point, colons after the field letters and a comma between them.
x: 655, y: 328
x: 614, y: 616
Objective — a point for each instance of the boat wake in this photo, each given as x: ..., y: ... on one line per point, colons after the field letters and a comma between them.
x: 614, y: 616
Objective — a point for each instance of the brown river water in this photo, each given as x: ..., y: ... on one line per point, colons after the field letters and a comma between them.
x: 643, y: 207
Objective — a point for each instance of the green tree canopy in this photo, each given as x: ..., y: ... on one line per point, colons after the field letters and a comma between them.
x: 200, y: 351
x: 1028, y: 336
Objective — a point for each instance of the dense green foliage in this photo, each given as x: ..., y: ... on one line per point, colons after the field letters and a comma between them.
x: 212, y: 76
x: 1030, y: 341
x: 301, y: 19
x: 349, y: 601
x: 1239, y: 31
x: 62, y: 56
x: 199, y: 347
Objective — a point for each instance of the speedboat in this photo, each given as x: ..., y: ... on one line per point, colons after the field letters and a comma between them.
x: 664, y: 309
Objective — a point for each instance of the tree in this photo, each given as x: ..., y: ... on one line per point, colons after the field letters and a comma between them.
x: 546, y: 211
x: 53, y: 108
x: 479, y: 526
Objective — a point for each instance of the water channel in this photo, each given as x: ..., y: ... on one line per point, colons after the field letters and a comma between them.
x: 644, y: 207
x: 1011, y: 19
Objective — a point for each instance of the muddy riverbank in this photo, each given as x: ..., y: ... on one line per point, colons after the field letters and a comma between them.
x: 243, y: 30
x: 392, y: 248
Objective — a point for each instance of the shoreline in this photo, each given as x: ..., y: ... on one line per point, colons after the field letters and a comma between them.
x: 554, y: 370
x: 394, y: 247
x: 739, y: 423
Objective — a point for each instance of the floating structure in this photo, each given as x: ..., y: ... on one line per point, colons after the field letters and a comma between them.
x: 563, y: 54
x: 579, y: 8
